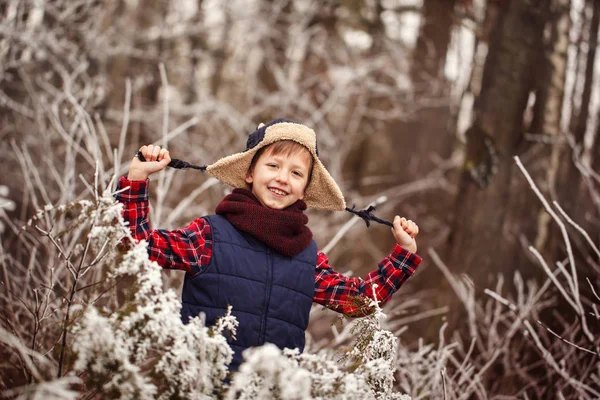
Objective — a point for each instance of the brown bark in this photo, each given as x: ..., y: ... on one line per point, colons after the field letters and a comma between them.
x: 570, y: 179
x: 596, y: 147
x: 406, y: 148
x: 428, y: 130
x: 493, y: 209
x: 548, y: 107
x: 583, y: 116
x: 426, y: 133
x: 220, y: 55
x: 432, y: 44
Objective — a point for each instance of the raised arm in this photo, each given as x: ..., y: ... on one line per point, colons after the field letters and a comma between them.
x: 352, y: 296
x: 188, y: 249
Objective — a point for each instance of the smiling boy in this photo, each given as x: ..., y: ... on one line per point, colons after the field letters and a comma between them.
x: 256, y: 253
x: 279, y: 174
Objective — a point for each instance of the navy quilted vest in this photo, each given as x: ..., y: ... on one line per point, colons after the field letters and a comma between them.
x: 270, y: 294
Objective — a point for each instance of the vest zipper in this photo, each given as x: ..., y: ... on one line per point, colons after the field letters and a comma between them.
x: 269, y: 285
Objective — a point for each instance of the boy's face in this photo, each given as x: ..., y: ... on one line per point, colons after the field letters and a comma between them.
x: 278, y: 181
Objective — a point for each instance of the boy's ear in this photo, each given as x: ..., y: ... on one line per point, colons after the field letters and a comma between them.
x: 249, y: 178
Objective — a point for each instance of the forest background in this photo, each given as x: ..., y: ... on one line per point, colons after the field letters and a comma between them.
x: 479, y: 120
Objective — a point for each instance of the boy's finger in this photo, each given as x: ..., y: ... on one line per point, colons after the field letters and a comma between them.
x: 165, y: 160
x: 397, y: 224
x: 414, y: 230
x: 162, y: 154
x: 147, y: 152
x: 155, y: 153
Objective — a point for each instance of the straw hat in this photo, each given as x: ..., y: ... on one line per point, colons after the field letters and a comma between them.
x: 322, y: 192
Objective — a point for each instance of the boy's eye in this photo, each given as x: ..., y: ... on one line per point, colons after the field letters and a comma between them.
x: 297, y: 173
x: 271, y: 165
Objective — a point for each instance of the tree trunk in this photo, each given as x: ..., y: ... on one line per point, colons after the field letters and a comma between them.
x: 548, y: 107
x: 492, y: 209
x: 596, y: 147
x: 428, y: 131
x: 586, y: 216
x: 432, y: 44
x: 406, y: 148
x: 570, y: 179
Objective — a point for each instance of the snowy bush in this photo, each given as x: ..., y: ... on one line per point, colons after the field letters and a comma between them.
x: 367, y: 373
x: 142, y: 349
x: 138, y: 347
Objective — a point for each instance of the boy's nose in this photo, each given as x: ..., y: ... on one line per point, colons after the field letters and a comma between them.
x: 282, y: 176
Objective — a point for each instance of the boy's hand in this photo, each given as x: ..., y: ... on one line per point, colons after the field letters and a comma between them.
x: 157, y: 159
x: 404, y: 232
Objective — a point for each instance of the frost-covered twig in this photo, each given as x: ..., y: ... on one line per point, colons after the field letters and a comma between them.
x: 572, y: 279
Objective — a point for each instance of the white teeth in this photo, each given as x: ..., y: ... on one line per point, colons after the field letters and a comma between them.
x: 279, y: 192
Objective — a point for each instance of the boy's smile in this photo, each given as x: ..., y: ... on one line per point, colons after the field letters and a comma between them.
x: 279, y: 180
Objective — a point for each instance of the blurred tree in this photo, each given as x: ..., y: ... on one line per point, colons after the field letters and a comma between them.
x: 570, y: 178
x: 430, y: 131
x: 427, y: 131
x: 429, y: 57
x: 408, y: 148
x: 549, y: 96
x: 596, y: 154
x: 493, y: 205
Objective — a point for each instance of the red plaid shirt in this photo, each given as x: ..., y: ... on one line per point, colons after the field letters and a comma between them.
x: 190, y: 249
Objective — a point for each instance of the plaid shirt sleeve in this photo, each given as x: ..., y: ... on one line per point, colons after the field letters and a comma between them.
x: 188, y: 249
x: 352, y: 296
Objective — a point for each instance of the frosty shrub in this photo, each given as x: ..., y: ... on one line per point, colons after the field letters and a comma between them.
x: 142, y: 349
x: 366, y: 372
x: 132, y: 344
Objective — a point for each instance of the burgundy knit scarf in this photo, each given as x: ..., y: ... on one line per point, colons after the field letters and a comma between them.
x: 284, y: 231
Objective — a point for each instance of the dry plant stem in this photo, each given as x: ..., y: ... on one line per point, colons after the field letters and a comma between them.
x: 545, y: 353
x: 443, y: 373
x: 458, y: 289
x: 56, y: 123
x: 548, y: 357
x: 572, y: 279
x: 501, y: 347
x: 86, y: 184
x: 162, y: 186
x: 96, y: 182
x: 69, y: 264
x: 552, y: 277
x: 185, y: 203
x: 26, y: 175
x: 103, y: 135
x: 578, y: 227
x: 592, y: 287
x: 419, y: 316
x: 565, y: 340
x: 461, y: 368
x: 75, y: 274
x: 25, y: 354
x: 475, y: 381
x: 126, y: 107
